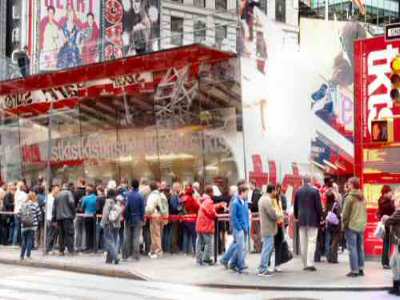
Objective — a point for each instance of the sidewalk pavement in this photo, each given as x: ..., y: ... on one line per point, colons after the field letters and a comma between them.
x: 183, y: 270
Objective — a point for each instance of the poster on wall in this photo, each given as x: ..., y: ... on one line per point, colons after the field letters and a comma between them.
x: 69, y: 33
x: 132, y: 27
x: 331, y: 91
x: 275, y: 119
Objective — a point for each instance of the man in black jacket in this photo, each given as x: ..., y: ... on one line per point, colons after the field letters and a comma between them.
x: 64, y: 214
x: 308, y: 213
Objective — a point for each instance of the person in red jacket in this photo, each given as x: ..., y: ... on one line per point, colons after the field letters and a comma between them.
x: 205, y: 227
x: 190, y: 207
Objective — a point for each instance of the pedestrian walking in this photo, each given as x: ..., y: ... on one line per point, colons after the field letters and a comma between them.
x: 268, y: 225
x: 354, y: 220
x: 111, y: 223
x: 308, y: 212
x: 29, y: 215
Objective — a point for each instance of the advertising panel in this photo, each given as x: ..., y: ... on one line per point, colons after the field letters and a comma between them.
x: 69, y: 33
x: 276, y: 127
x: 131, y: 27
x: 374, y: 102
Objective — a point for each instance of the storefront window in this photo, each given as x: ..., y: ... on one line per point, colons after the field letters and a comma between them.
x: 10, y: 154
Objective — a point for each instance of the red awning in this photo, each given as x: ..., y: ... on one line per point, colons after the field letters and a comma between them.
x: 152, y: 62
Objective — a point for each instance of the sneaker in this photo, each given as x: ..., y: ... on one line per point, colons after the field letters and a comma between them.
x: 265, y: 274
x: 361, y: 273
x: 352, y: 275
x: 153, y: 256
x: 225, y: 264
x: 277, y: 270
x: 209, y: 262
x: 386, y: 267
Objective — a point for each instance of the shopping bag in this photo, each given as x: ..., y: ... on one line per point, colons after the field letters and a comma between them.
x: 286, y: 254
x: 379, y: 231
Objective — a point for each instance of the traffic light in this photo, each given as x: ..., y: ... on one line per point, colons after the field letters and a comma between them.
x: 382, y: 131
x: 395, y: 80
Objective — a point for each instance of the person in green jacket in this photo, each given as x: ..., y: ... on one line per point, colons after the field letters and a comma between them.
x: 354, y: 221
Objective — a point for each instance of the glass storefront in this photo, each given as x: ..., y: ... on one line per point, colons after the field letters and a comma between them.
x: 184, y: 123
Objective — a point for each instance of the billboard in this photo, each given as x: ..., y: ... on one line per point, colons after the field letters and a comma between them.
x: 373, y: 86
x: 132, y: 27
x: 69, y: 34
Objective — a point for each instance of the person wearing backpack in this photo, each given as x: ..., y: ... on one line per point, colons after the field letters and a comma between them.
x: 29, y: 215
x: 111, y: 222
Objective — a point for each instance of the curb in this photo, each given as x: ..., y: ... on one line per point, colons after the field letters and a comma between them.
x: 77, y: 269
x: 140, y: 277
x: 296, y: 288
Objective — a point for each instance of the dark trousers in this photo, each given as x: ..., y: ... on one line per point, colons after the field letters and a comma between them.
x: 90, y: 230
x: 132, y: 241
x: 146, y: 237
x: 386, y: 247
x: 333, y: 238
x: 320, y: 247
x: 278, y: 239
x: 27, y: 237
x: 52, y: 234
x: 66, y: 231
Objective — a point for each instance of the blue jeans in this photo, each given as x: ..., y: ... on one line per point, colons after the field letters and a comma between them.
x: 111, y: 242
x: 328, y: 238
x: 17, y: 230
x: 189, y: 237
x: 27, y: 242
x: 267, y: 247
x: 167, y: 238
x: 229, y: 253
x: 355, y: 245
x: 237, y: 254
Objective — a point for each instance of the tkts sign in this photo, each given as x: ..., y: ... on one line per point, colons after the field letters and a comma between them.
x: 373, y: 59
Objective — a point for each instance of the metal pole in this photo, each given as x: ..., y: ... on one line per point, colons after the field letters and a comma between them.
x: 49, y: 181
x: 216, y: 240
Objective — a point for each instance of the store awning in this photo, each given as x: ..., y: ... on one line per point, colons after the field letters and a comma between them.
x: 151, y: 62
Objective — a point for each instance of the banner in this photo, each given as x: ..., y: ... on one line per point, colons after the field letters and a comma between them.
x: 69, y: 33
x: 131, y: 27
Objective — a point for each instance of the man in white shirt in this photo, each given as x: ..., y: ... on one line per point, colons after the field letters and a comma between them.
x: 20, y: 197
x: 51, y: 226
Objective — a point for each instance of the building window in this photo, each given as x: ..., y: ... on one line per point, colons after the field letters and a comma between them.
x: 221, y: 33
x: 221, y: 4
x: 176, y: 31
x: 264, y: 6
x: 280, y: 10
x: 200, y: 32
x: 200, y: 3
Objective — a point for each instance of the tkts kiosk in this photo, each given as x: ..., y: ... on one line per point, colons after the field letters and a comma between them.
x: 377, y: 127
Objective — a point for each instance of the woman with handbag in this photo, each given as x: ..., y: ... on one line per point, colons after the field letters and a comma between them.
x: 386, y: 208
x: 333, y: 228
x: 279, y: 237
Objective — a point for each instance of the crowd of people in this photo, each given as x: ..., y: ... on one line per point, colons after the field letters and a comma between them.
x: 141, y: 218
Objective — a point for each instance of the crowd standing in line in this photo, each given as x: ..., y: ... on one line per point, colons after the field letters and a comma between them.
x: 127, y: 221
